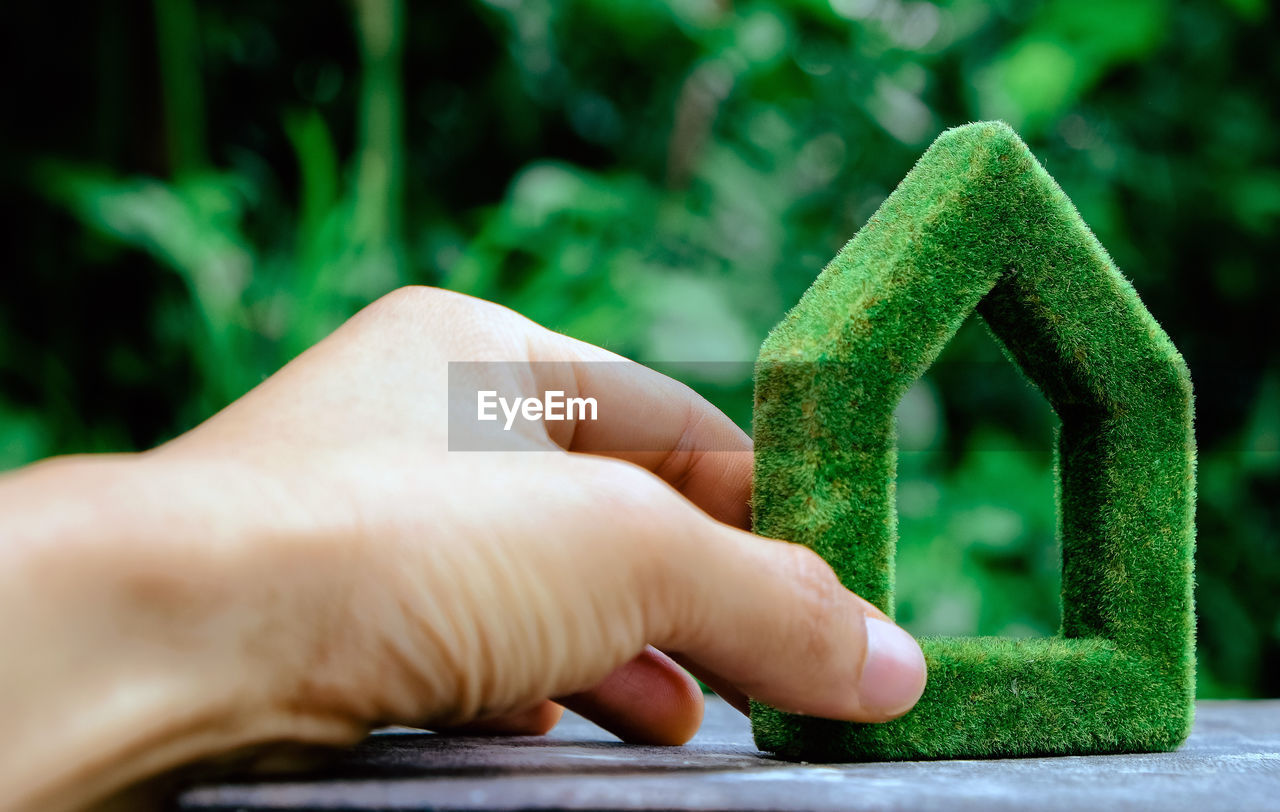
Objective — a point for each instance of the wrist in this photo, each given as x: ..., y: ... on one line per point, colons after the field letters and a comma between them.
x: 140, y: 647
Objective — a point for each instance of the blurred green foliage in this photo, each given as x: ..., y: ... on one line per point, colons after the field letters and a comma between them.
x: 197, y: 192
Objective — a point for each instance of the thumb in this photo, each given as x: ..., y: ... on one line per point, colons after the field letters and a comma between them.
x: 772, y: 619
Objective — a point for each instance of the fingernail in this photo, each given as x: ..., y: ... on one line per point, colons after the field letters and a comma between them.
x: 893, y: 675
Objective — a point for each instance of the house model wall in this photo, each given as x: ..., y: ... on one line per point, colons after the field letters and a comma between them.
x: 979, y: 226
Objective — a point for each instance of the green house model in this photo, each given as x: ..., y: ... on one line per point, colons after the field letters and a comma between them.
x: 978, y: 225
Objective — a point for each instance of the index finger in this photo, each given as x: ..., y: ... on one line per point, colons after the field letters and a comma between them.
x: 654, y: 421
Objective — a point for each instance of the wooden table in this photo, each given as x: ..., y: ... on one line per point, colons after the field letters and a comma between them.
x: 1231, y: 762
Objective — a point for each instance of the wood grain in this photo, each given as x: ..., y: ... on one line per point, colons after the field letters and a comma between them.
x: 1231, y: 762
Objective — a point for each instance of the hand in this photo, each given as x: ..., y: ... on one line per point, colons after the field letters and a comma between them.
x: 314, y: 561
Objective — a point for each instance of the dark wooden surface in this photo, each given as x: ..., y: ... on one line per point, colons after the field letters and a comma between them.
x: 1231, y: 762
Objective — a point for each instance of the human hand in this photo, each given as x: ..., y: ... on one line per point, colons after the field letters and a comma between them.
x: 314, y: 561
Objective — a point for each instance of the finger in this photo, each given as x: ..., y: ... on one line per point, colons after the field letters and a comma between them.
x: 649, y: 700
x: 724, y: 689
x: 535, y: 721
x: 651, y: 420
x: 772, y: 620
x: 729, y: 692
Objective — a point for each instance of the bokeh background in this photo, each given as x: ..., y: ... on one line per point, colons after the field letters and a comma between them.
x: 195, y: 192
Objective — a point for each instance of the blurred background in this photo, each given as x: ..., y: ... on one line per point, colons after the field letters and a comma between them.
x: 198, y: 191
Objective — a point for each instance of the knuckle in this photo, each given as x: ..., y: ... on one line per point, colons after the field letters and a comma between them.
x: 465, y: 324
x: 820, y: 599
x: 470, y: 327
x: 409, y: 296
x: 400, y: 309
x: 414, y: 300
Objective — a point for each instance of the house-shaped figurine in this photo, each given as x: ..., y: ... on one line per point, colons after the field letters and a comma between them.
x: 978, y: 225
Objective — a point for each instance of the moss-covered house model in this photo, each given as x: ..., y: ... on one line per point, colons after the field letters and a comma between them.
x: 978, y: 225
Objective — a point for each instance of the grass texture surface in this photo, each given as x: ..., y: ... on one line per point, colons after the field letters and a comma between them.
x: 979, y: 225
